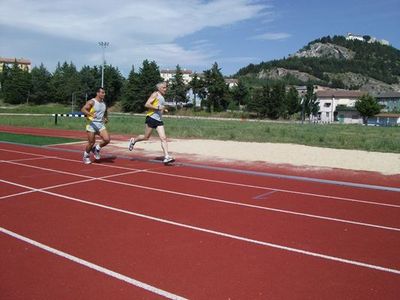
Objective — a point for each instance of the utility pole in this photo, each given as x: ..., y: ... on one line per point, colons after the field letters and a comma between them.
x: 103, y: 45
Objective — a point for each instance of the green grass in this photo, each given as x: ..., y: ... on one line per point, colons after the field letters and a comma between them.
x: 33, y: 139
x: 382, y: 139
x: 50, y: 108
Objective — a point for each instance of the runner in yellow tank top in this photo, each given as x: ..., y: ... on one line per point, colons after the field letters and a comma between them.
x: 156, y: 106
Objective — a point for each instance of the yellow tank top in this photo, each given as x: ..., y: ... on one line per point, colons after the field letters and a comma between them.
x: 151, y: 111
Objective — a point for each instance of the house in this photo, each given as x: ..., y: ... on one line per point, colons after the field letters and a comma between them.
x: 24, y: 64
x: 168, y: 74
x: 384, y: 119
x: 231, y: 82
x: 348, y: 115
x: 390, y: 101
x: 366, y: 38
x: 330, y: 99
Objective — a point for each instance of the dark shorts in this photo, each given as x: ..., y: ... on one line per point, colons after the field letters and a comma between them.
x: 153, y: 123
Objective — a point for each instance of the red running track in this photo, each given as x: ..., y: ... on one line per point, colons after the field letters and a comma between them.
x: 193, y: 233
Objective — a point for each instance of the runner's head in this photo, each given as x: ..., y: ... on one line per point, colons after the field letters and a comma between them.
x: 162, y: 87
x: 100, y: 93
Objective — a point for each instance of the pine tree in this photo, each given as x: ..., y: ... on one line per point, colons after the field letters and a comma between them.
x: 140, y: 86
x: 16, y: 85
x: 276, y: 101
x: 292, y: 101
x: 265, y: 101
x: 41, y: 92
x: 130, y: 91
x: 89, y: 79
x: 310, y: 102
x: 216, y: 89
x: 177, y: 89
x: 240, y: 93
x: 113, y: 83
x: 256, y: 103
x: 198, y: 89
x: 65, y: 82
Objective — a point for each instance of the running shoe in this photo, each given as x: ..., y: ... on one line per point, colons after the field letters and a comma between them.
x: 131, y: 144
x: 96, y: 153
x: 86, y: 160
x: 168, y: 160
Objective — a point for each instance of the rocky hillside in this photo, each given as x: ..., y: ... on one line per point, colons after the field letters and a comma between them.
x: 334, y: 62
x: 326, y: 50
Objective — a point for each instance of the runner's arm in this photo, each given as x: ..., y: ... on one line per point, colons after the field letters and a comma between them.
x: 87, y: 107
x: 149, y: 103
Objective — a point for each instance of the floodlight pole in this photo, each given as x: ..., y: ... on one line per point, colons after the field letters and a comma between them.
x: 103, y: 45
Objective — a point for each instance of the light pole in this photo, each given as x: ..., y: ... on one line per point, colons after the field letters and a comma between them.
x: 103, y: 45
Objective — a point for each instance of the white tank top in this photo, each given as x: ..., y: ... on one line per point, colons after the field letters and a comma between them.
x: 99, y: 108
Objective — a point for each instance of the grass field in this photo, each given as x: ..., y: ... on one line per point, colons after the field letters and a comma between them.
x: 33, y: 139
x: 50, y: 108
x: 382, y: 139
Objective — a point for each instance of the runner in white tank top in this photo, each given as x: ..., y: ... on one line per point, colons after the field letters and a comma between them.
x: 95, y: 111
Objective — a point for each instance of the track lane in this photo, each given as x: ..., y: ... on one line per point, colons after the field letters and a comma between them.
x: 193, y: 264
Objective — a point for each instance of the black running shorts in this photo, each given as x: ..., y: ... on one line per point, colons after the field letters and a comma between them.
x: 153, y: 123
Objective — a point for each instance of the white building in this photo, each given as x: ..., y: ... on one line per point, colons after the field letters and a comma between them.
x: 167, y: 75
x: 354, y: 37
x: 357, y: 37
x: 231, y: 82
x: 329, y: 100
x: 23, y: 64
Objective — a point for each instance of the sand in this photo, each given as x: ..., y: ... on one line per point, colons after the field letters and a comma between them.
x: 292, y: 154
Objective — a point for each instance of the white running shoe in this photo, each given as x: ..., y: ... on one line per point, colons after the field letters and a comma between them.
x: 168, y: 160
x: 96, y: 153
x: 86, y: 160
x: 131, y: 144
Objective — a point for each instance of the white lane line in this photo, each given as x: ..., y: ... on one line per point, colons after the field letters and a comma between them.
x: 196, y: 197
x: 92, y: 266
x: 278, y: 190
x: 227, y: 235
x: 16, y: 194
x: 346, y: 199
x: 24, y: 159
x: 256, y: 206
x: 63, y: 184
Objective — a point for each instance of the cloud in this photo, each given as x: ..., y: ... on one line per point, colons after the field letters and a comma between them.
x: 272, y: 36
x: 135, y: 29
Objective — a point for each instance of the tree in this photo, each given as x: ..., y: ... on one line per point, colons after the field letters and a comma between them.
x: 292, y: 101
x: 310, y: 102
x: 130, y: 92
x: 64, y: 82
x: 265, y: 100
x: 198, y: 88
x: 216, y: 89
x: 255, y: 103
x: 367, y: 106
x: 240, y: 94
x: 140, y: 86
x: 41, y: 92
x: 16, y: 84
x: 89, y: 79
x: 276, y: 101
x: 113, y: 83
x: 177, y: 88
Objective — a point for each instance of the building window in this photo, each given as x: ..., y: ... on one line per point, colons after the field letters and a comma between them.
x: 327, y: 114
x: 327, y: 104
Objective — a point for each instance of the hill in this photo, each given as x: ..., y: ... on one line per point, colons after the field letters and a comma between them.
x: 334, y: 62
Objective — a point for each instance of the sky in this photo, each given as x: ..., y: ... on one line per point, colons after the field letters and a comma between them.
x: 191, y: 33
